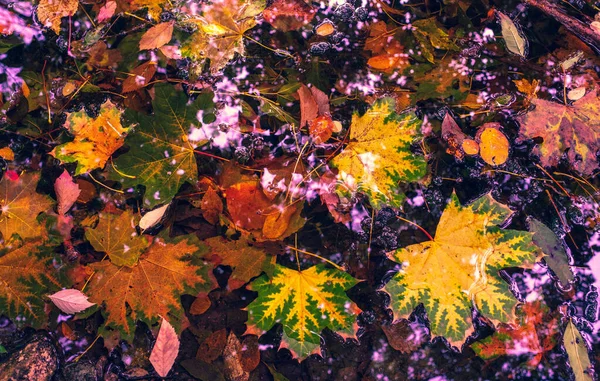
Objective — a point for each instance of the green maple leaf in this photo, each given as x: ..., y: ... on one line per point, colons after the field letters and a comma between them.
x: 459, y: 269
x: 304, y: 302
x: 161, y: 157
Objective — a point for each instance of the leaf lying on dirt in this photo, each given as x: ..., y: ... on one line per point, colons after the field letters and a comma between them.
x: 459, y: 269
x: 96, y: 139
x: 378, y: 156
x: 574, y: 129
x: 222, y: 29
x: 26, y: 275
x: 153, y: 287
x: 556, y: 255
x: 304, y: 302
x: 578, y: 353
x: 246, y: 261
x: 70, y: 301
x: 161, y: 157
x: 534, y: 334
x: 115, y: 235
x: 20, y: 206
x: 165, y: 350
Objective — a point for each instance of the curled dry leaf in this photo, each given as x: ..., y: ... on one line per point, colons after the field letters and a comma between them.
x: 165, y: 349
x: 157, y: 36
x: 67, y: 192
x: 71, y: 301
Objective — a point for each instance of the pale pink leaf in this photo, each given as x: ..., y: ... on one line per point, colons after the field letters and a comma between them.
x: 70, y: 301
x: 66, y: 192
x: 165, y: 349
x: 107, y: 11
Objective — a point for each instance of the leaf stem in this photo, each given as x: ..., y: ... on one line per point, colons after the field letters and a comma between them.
x: 316, y: 256
x: 417, y: 226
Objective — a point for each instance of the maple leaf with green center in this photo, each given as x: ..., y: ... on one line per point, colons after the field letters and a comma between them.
x: 221, y: 31
x: 115, y: 235
x: 96, y: 139
x: 20, y: 206
x: 161, y: 157
x: 304, y: 302
x: 378, y: 156
x: 459, y: 269
x: 574, y: 129
x: 25, y: 278
x: 152, y: 287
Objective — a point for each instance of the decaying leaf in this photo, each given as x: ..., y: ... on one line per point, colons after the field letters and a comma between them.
x: 152, y: 287
x: 25, y: 277
x: 161, y: 155
x: 165, y: 350
x: 232, y: 360
x: 67, y: 192
x: 212, y: 206
x: 571, y: 129
x: 556, y: 255
x: 534, y: 333
x: 431, y: 36
x: 405, y: 336
x: 304, y: 302
x: 378, y: 156
x: 513, y: 37
x: 140, y: 77
x: 153, y: 217
x: 70, y: 301
x: 51, y: 12
x: 115, y: 235
x: 578, y: 353
x: 96, y: 139
x: 246, y: 261
x: 459, y: 269
x: 20, y: 206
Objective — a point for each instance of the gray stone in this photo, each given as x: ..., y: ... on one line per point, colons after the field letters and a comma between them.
x: 36, y: 361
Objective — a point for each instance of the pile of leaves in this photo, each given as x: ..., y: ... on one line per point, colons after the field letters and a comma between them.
x: 252, y: 189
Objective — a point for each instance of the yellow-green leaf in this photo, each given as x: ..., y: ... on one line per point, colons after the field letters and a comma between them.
x: 378, y: 157
x: 459, y: 269
x: 20, y: 205
x: 115, y: 235
x: 304, y: 302
x: 577, y: 352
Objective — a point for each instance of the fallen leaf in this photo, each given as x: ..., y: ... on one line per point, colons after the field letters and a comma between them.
x: 324, y: 29
x: 67, y: 192
x: 513, y: 37
x: 430, y: 37
x: 115, y: 235
x: 405, y: 336
x: 453, y: 136
x: 321, y: 129
x: 20, y: 206
x: 51, y: 12
x: 378, y: 156
x: 153, y: 287
x: 247, y: 205
x: 246, y: 261
x: 212, y: 206
x: 459, y: 269
x: 287, y: 15
x: 212, y: 347
x: 201, y: 304
x: 577, y: 351
x: 304, y: 302
x: 157, y: 36
x: 556, y: 255
x: 534, y: 333
x: 232, y: 360
x: 7, y: 154
x: 96, y: 139
x: 152, y: 217
x: 308, y: 106
x: 107, y: 11
x: 165, y: 350
x: 574, y: 129
x: 140, y: 77
x: 70, y: 301
x: 493, y: 144
x: 278, y: 221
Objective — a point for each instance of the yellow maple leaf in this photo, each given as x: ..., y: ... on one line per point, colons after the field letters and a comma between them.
x: 50, y: 12
x: 115, y: 235
x: 153, y: 286
x: 96, y: 139
x: 20, y: 205
x: 221, y: 31
x: 378, y: 156
x: 24, y: 280
x: 305, y: 302
x: 459, y: 269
